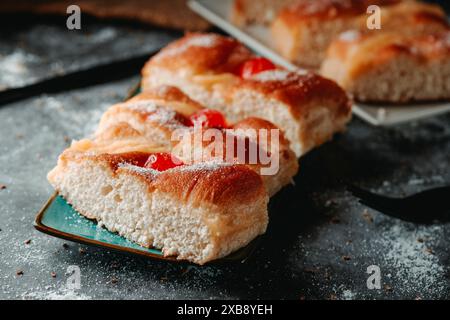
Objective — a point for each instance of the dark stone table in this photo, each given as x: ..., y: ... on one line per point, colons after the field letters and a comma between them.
x: 320, y: 240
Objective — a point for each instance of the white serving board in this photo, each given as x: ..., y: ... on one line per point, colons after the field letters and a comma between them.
x: 258, y: 39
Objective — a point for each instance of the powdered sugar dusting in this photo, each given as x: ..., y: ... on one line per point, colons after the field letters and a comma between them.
x: 204, y: 40
x: 142, y: 106
x: 159, y: 114
x: 210, y: 165
x: 205, y: 166
x: 165, y: 117
x: 272, y: 75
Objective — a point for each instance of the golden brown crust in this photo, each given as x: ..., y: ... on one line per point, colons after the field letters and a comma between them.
x: 294, y: 89
x: 365, y: 51
x: 258, y: 123
x: 160, y: 115
x: 111, y: 160
x: 217, y: 185
x: 431, y: 17
x: 297, y: 90
x: 303, y: 32
x: 118, y: 131
x: 202, y: 52
x: 328, y: 10
x: 170, y: 97
x: 213, y: 183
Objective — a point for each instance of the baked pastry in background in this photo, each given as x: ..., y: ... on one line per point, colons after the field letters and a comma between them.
x: 303, y: 31
x: 391, y: 67
x: 222, y: 74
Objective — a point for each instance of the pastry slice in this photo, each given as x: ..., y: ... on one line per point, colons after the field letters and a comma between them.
x: 219, y: 72
x: 197, y: 213
x: 389, y: 67
x: 161, y: 117
x: 303, y: 31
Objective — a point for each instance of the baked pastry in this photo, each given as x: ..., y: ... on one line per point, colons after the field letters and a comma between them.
x: 197, y: 213
x: 245, y: 12
x: 389, y: 67
x: 302, y: 32
x: 221, y: 73
x: 133, y: 180
x: 157, y: 116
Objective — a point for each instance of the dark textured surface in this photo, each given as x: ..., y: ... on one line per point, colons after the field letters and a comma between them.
x: 31, y: 51
x: 320, y: 241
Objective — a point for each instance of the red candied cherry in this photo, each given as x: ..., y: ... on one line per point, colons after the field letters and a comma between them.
x: 209, y: 118
x: 254, y: 66
x: 162, y: 161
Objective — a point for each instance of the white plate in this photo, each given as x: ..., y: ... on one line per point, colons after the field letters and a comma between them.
x: 258, y: 39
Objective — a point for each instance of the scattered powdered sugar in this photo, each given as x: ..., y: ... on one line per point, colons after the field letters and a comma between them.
x: 165, y: 117
x: 78, y: 123
x: 14, y: 68
x: 56, y: 294
x: 348, y: 295
x: 205, y: 40
x: 411, y: 259
x: 157, y: 113
x: 272, y: 75
x: 210, y: 165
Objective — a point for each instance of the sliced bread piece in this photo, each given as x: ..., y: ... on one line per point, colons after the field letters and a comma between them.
x: 389, y: 67
x: 197, y: 213
x: 307, y: 107
x: 302, y: 32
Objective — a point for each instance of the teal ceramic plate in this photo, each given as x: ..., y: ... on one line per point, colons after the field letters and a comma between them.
x: 59, y: 219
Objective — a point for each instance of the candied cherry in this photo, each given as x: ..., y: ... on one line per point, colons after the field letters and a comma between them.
x: 209, y: 118
x: 162, y: 161
x: 254, y: 66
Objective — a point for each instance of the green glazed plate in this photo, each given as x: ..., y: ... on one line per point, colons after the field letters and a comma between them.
x: 59, y: 219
